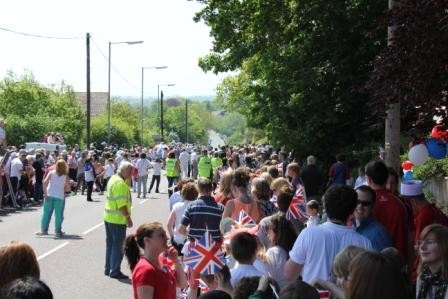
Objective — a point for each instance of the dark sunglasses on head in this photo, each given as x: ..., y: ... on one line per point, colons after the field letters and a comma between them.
x: 365, y: 203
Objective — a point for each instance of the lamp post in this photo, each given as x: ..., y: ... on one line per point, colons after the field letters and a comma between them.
x: 108, y: 84
x: 160, y: 92
x: 143, y: 71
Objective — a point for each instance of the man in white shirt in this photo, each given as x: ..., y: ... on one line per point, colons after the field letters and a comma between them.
x: 142, y: 166
x: 16, y: 170
x: 315, y: 248
x: 194, y: 164
x: 184, y: 159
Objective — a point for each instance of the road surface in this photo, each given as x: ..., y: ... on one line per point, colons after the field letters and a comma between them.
x: 73, y: 266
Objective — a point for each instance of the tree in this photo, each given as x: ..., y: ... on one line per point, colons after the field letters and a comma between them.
x: 301, y: 66
x: 32, y: 110
x: 414, y: 69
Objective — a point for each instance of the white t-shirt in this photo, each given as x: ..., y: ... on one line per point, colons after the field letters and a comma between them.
x: 175, y: 198
x: 179, y: 210
x: 242, y: 270
x: 184, y: 158
x: 156, y: 168
x: 16, y: 168
x: 277, y: 258
x: 56, y: 185
x: 193, y: 157
x: 316, y: 247
x: 142, y: 166
x: 109, y: 170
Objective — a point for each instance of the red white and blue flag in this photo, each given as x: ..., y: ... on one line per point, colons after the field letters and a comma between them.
x: 244, y: 219
x: 297, y: 207
x: 206, y: 256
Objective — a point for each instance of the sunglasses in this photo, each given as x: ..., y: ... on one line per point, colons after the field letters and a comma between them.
x: 365, y: 203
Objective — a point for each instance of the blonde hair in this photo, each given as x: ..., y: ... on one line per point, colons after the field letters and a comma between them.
x: 225, y: 183
x: 342, y: 260
x: 281, y: 184
x: 61, y: 167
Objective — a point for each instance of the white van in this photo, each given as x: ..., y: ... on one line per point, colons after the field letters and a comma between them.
x: 48, y: 146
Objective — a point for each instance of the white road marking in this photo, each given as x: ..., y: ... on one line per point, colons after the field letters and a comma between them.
x: 52, y: 251
x: 143, y: 201
x: 93, y: 228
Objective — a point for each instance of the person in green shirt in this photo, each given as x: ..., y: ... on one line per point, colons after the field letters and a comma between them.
x: 117, y: 216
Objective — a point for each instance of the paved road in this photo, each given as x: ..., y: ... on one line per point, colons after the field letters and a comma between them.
x: 73, y: 266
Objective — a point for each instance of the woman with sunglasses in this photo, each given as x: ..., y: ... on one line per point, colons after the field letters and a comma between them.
x: 364, y: 221
x: 432, y: 280
x: 150, y: 278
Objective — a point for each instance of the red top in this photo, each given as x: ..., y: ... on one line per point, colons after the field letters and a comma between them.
x: 221, y: 199
x: 163, y: 281
x: 391, y: 213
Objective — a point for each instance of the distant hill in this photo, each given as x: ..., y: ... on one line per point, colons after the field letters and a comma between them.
x: 137, y: 100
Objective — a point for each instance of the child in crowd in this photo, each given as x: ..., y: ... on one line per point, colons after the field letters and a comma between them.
x: 312, y: 211
x: 282, y: 235
x: 219, y: 281
x: 244, y: 247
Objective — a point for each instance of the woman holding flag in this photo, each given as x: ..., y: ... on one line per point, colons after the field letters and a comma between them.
x: 151, y: 278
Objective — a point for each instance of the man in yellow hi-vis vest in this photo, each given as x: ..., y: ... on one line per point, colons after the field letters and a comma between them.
x: 117, y: 216
x: 204, y: 166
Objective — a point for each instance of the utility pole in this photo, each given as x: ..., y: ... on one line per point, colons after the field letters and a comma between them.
x: 161, y: 114
x: 392, y: 124
x: 186, y: 121
x: 88, y: 90
x: 141, y: 134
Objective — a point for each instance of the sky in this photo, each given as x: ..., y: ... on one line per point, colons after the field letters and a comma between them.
x: 171, y: 38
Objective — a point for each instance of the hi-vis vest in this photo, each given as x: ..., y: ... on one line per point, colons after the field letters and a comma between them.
x: 204, y: 167
x: 170, y: 167
x: 216, y: 163
x: 117, y: 196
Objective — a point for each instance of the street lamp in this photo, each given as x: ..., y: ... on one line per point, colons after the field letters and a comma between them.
x: 161, y: 105
x: 143, y: 69
x: 108, y: 84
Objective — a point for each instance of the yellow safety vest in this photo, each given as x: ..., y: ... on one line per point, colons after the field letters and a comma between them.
x: 170, y: 168
x: 216, y: 163
x: 117, y: 196
x: 204, y: 167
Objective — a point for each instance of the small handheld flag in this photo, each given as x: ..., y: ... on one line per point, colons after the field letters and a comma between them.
x: 206, y: 256
x: 244, y: 219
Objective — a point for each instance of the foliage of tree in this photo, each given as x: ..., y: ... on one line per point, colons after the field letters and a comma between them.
x: 234, y: 127
x: 31, y: 110
x: 199, y: 121
x: 414, y: 69
x: 301, y: 66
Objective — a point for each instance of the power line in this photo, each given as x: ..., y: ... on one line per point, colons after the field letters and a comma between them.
x: 40, y: 36
x: 115, y: 70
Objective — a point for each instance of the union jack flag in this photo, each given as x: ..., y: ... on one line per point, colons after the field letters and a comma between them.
x: 244, y: 219
x: 205, y: 256
x: 297, y: 207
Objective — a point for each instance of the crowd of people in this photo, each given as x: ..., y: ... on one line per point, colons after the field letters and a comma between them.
x: 284, y: 233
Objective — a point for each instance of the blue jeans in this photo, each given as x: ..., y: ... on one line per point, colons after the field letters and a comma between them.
x: 115, y: 235
x: 142, y: 181
x: 171, y: 182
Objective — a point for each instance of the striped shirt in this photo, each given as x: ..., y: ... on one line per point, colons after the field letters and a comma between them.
x: 204, y: 213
